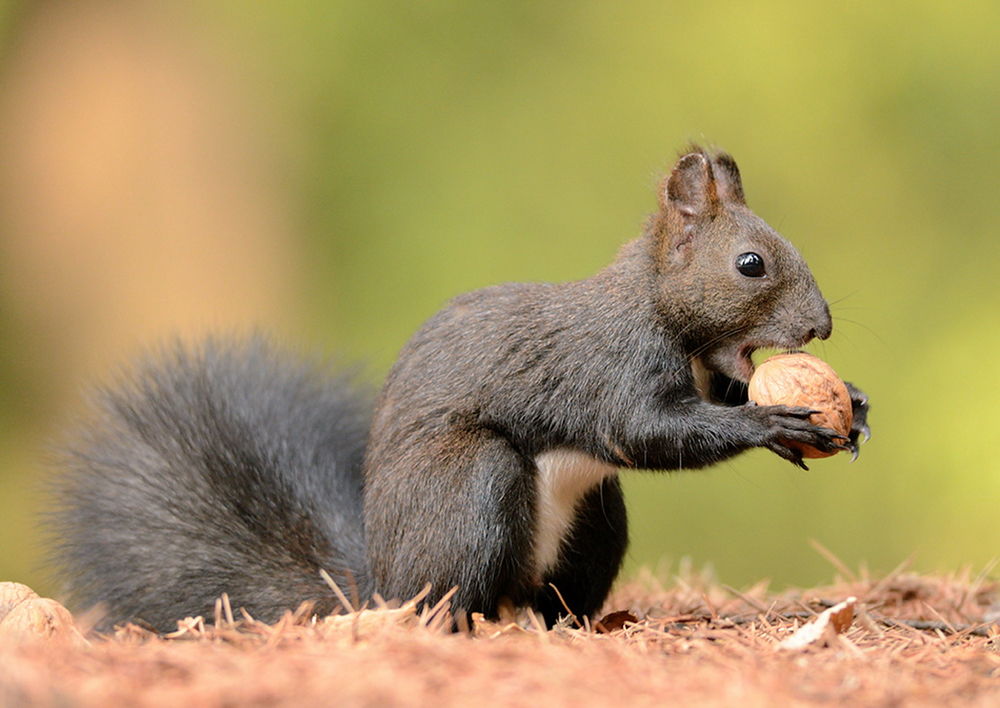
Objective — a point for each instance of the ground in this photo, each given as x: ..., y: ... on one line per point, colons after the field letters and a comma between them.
x: 907, y: 640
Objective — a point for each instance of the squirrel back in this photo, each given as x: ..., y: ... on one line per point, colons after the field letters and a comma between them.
x: 230, y: 467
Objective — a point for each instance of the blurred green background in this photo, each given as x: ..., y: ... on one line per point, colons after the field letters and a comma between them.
x: 332, y: 172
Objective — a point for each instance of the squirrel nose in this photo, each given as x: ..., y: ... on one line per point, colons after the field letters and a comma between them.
x: 824, y: 327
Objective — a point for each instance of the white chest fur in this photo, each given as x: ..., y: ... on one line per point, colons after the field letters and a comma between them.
x: 564, y: 476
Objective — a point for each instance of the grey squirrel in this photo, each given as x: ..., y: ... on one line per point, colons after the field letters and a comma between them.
x: 488, y: 461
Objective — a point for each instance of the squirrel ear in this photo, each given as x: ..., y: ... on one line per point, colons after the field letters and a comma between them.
x: 690, y: 189
x: 727, y: 177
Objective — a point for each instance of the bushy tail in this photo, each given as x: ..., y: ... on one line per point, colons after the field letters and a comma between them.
x: 230, y: 467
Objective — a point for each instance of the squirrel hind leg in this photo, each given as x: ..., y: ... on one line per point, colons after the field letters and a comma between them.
x: 469, y: 489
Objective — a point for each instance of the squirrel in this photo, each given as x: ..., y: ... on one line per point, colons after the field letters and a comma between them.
x: 489, y: 460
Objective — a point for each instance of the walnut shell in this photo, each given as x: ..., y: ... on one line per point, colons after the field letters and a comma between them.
x: 800, y: 379
x: 26, y: 616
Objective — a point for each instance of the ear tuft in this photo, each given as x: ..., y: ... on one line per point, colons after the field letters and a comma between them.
x: 690, y: 189
x: 727, y: 177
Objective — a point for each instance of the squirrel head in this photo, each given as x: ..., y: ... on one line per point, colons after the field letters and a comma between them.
x: 732, y: 281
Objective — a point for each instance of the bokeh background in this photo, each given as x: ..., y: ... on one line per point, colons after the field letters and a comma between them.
x: 332, y: 172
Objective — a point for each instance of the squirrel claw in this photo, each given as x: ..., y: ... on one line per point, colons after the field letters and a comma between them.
x: 854, y: 445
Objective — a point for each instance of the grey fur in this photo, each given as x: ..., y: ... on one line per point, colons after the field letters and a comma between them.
x: 230, y: 467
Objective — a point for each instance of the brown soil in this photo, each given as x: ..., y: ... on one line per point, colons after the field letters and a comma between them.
x: 912, y: 640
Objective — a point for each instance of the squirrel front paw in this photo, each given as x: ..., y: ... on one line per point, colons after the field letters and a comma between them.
x: 859, y: 426
x: 784, y: 424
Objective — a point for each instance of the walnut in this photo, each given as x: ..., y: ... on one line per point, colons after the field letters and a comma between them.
x: 26, y: 616
x: 800, y: 379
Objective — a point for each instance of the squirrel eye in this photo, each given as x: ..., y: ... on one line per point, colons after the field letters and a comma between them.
x: 750, y: 264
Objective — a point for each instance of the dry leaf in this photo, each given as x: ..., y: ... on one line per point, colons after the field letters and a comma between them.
x: 827, y: 625
x: 614, y: 621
